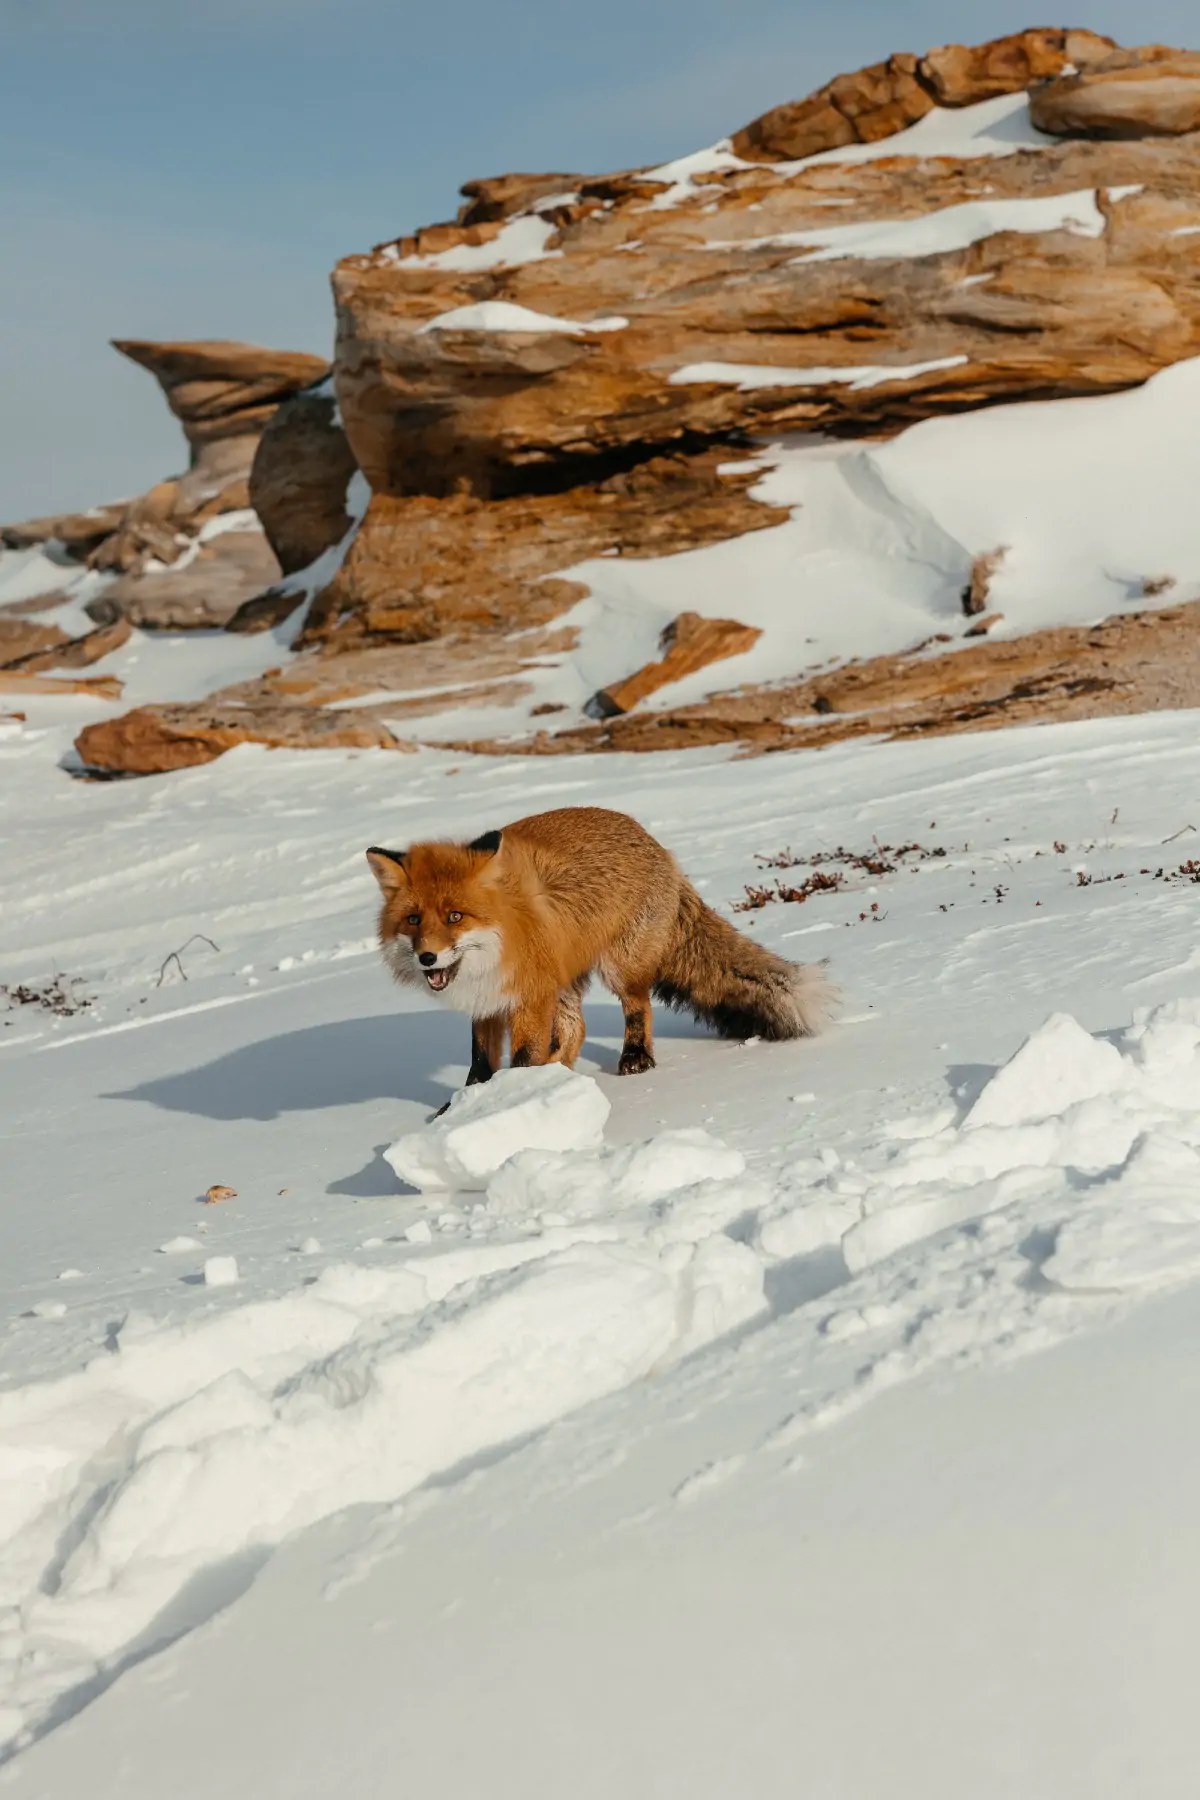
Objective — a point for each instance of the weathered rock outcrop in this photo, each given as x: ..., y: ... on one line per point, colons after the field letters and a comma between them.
x: 224, y: 572
x: 1132, y: 94
x: 1145, y: 662
x: 421, y: 567
x: 688, y: 644
x: 568, y: 370
x: 878, y: 101
x: 78, y: 533
x: 63, y: 652
x: 223, y: 394
x: 298, y: 479
x: 734, y: 322
x: 20, y: 638
x: 152, y: 739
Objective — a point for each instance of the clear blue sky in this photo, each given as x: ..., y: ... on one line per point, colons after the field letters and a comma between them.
x: 194, y: 170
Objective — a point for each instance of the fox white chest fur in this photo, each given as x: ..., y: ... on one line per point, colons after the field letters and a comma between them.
x: 477, y: 988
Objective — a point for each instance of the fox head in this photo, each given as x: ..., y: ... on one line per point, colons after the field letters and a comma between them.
x: 437, y: 924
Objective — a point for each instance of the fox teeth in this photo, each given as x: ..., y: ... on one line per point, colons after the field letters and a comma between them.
x: 438, y: 978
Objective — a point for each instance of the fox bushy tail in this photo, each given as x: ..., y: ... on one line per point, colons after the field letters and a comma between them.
x: 735, y: 985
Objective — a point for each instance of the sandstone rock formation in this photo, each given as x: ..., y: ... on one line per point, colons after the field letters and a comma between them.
x: 78, y: 533
x: 570, y: 369
x: 1132, y: 94
x: 20, y: 638
x: 422, y: 566
x: 152, y: 739
x: 688, y: 645
x: 223, y: 394
x: 298, y: 479
x: 876, y: 102
x: 204, y: 594
x: 723, y: 304
x: 61, y: 652
x: 1144, y: 662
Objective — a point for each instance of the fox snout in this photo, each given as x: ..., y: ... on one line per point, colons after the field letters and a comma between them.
x: 435, y: 959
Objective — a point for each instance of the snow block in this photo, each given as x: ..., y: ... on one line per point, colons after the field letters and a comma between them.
x: 550, y: 1108
x: 1059, y: 1065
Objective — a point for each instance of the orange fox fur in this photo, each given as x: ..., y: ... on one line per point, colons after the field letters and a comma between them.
x: 509, y: 929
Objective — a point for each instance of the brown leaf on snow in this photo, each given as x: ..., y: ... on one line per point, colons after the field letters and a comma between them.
x: 217, y: 1193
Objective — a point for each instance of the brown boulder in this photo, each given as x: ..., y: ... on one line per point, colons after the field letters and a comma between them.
x: 153, y: 739
x: 202, y: 596
x: 688, y: 644
x: 298, y: 480
x: 854, y: 109
x: 1123, y: 98
x: 958, y: 75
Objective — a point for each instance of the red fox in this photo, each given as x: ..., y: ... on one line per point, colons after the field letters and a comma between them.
x: 509, y: 929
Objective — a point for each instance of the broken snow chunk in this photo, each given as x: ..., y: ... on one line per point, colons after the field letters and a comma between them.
x: 1058, y: 1066
x: 48, y: 1309
x: 547, y: 1108
x: 177, y: 1246
x: 221, y: 1271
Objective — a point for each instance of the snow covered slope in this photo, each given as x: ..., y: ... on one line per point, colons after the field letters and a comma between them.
x: 189, y: 1390
x: 1089, y: 502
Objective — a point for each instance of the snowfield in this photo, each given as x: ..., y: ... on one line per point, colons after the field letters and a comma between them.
x: 649, y: 1435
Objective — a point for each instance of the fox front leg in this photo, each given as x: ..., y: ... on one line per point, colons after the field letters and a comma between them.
x: 532, y: 1031
x: 487, y: 1048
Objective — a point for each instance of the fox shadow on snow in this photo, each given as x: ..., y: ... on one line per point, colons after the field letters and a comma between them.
x: 391, y: 1056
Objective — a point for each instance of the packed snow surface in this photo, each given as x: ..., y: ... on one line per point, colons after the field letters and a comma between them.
x: 721, y: 1358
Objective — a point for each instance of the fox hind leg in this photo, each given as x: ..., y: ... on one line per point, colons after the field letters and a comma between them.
x: 637, y: 1052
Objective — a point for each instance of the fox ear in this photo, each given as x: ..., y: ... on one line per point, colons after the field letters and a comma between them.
x: 388, y: 867
x: 487, y: 844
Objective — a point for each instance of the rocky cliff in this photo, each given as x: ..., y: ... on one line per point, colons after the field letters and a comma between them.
x: 572, y: 421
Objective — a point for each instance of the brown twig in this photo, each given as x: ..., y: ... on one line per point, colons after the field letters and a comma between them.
x: 174, y: 956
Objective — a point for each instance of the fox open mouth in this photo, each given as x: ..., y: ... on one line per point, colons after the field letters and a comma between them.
x: 439, y: 979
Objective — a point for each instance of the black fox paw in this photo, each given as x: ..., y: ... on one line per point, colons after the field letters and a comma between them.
x: 635, y: 1062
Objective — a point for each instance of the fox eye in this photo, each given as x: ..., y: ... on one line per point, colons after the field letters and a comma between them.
x: 414, y: 918
x: 454, y: 918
